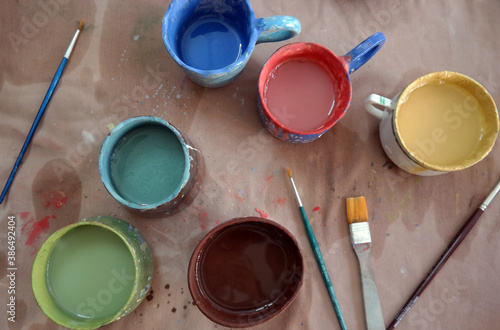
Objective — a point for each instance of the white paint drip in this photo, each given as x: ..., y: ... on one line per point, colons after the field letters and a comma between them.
x: 87, y: 136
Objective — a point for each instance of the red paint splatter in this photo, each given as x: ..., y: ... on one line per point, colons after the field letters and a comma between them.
x: 317, y: 208
x: 280, y: 201
x: 24, y: 215
x: 38, y: 228
x: 203, y: 220
x: 26, y: 224
x: 262, y: 213
x: 269, y: 178
x: 217, y: 222
x: 57, y: 199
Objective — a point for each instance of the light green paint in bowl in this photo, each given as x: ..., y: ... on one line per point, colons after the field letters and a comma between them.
x: 92, y: 273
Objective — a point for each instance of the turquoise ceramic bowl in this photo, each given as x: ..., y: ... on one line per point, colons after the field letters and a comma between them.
x: 150, y: 166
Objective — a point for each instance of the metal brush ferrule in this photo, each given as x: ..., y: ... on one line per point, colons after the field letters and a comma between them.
x: 360, y: 233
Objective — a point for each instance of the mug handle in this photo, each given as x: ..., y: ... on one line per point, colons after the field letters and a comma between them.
x: 375, y: 99
x: 360, y: 54
x: 277, y: 28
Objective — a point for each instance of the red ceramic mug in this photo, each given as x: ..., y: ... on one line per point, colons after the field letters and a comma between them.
x: 304, y: 88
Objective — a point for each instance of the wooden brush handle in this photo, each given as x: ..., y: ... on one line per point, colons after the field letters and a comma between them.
x: 373, y: 311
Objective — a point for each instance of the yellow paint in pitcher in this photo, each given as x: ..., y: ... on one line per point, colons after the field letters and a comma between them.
x: 441, y: 123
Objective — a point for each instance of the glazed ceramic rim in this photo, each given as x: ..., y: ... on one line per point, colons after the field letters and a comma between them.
x: 40, y: 287
x: 243, y: 58
x: 489, y: 110
x: 108, y: 148
x: 194, y: 287
x: 298, y: 51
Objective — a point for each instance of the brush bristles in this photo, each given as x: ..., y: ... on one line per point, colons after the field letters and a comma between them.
x: 81, y: 24
x: 356, y: 209
x: 290, y: 173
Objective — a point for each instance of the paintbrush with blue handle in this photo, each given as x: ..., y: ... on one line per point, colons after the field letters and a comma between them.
x: 41, y: 111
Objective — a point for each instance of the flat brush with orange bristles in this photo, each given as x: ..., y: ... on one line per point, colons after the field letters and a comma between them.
x: 357, y: 216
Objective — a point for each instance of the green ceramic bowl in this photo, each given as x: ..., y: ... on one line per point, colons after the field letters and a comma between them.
x: 92, y: 273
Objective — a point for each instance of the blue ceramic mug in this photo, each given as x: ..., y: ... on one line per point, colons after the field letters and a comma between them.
x: 212, y: 40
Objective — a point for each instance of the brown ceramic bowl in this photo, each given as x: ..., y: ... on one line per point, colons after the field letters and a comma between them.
x: 245, y: 272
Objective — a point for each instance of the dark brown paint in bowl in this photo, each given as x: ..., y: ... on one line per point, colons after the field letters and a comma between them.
x: 245, y: 271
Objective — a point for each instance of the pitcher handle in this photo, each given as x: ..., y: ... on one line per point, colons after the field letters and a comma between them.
x: 277, y: 28
x: 360, y: 54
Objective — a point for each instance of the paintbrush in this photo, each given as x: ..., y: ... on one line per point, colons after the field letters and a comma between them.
x: 357, y: 217
x: 318, y: 256
x: 466, y: 228
x: 41, y: 111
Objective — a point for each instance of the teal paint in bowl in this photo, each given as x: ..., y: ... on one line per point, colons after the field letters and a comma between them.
x: 148, y: 165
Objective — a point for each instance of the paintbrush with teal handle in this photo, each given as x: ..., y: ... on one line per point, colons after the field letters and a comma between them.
x: 318, y: 256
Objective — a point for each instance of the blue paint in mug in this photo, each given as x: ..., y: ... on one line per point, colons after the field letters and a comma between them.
x: 212, y: 40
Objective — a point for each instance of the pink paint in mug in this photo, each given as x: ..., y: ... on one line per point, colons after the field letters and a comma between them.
x: 296, y: 85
